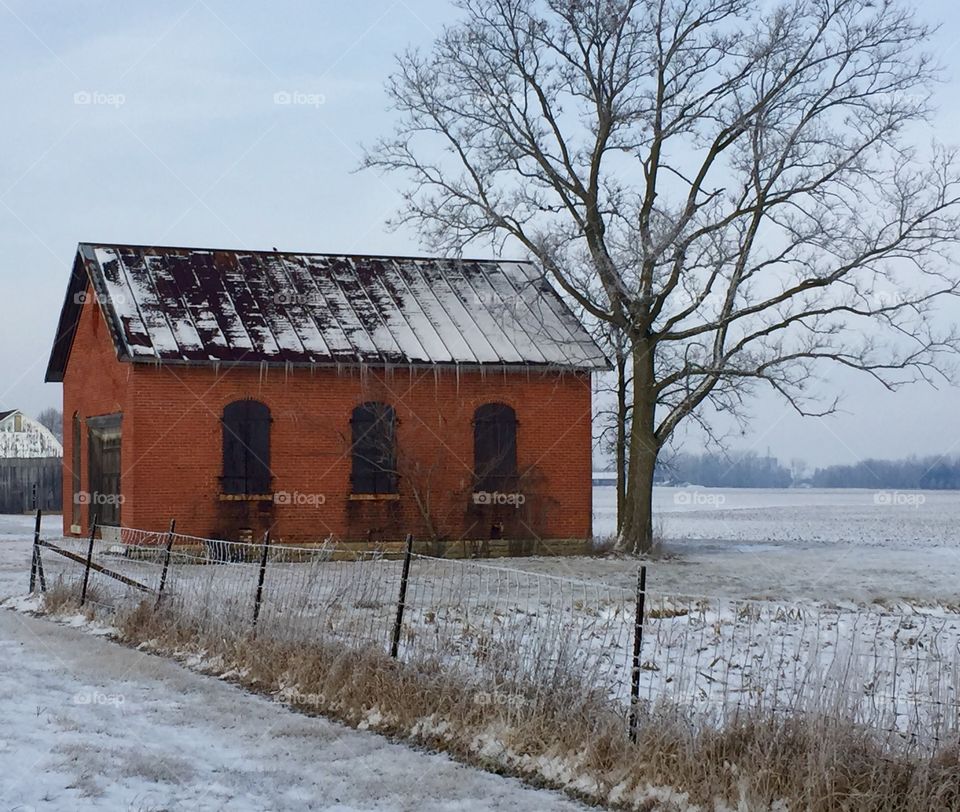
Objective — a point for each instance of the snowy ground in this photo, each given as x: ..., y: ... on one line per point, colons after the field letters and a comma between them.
x: 91, y: 725
x: 183, y: 740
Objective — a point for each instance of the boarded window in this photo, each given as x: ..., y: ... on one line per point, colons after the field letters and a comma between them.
x: 373, y: 429
x: 246, y: 448
x: 495, y: 448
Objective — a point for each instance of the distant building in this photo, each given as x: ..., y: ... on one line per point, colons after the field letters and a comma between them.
x: 31, y: 459
x: 315, y: 396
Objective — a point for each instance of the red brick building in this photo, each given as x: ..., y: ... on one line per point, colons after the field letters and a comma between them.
x: 315, y: 396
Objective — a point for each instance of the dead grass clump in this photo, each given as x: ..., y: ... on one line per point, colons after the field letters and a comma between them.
x: 809, y: 762
x: 667, y: 612
x: 61, y: 599
x: 602, y: 546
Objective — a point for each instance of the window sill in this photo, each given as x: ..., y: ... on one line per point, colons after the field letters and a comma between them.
x: 374, y: 497
x: 246, y: 497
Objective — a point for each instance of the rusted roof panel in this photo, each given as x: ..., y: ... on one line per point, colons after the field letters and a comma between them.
x: 185, y: 305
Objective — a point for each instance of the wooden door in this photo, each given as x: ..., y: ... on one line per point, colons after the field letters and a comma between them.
x: 105, y: 498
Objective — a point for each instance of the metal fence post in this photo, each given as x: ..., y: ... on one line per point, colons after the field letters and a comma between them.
x: 263, y: 572
x: 402, y: 602
x: 637, y: 646
x: 166, y: 563
x: 39, y: 542
x: 86, y: 571
x: 36, y: 567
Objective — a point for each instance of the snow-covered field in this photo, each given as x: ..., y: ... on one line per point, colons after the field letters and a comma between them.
x: 828, y: 546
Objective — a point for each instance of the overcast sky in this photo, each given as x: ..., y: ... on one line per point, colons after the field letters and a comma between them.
x: 158, y: 123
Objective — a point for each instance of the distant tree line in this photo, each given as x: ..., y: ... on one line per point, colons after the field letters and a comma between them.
x: 745, y: 469
x: 912, y: 473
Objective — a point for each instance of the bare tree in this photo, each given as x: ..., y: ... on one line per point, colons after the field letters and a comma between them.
x: 614, y: 417
x: 729, y: 183
x: 52, y: 418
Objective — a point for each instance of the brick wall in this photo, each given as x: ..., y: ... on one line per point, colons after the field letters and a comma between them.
x: 172, y: 440
x: 94, y: 384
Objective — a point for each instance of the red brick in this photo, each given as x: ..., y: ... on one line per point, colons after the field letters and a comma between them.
x: 171, y: 447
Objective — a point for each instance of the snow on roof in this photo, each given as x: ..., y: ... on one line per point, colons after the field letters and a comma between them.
x: 27, y: 439
x: 186, y: 305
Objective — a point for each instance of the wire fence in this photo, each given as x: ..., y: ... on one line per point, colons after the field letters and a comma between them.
x: 521, y: 637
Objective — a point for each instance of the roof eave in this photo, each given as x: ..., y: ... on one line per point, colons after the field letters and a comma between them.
x: 355, y: 364
x: 67, y: 324
x: 85, y: 272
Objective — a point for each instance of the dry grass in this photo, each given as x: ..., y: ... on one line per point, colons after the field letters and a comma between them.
x: 602, y: 546
x: 811, y: 763
x: 61, y: 599
x: 556, y: 731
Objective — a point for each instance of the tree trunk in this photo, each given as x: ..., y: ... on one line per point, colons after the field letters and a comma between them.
x: 621, y: 441
x: 636, y: 526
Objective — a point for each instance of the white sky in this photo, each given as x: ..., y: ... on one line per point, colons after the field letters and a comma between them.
x: 182, y: 143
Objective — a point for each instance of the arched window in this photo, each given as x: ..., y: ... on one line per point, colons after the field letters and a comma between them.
x: 373, y: 430
x: 246, y: 448
x: 495, y: 448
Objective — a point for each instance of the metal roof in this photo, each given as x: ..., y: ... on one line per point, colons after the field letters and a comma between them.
x: 200, y: 306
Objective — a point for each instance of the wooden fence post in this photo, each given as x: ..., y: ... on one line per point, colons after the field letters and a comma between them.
x: 86, y: 571
x: 637, y: 646
x: 402, y: 602
x: 263, y: 572
x: 166, y: 563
